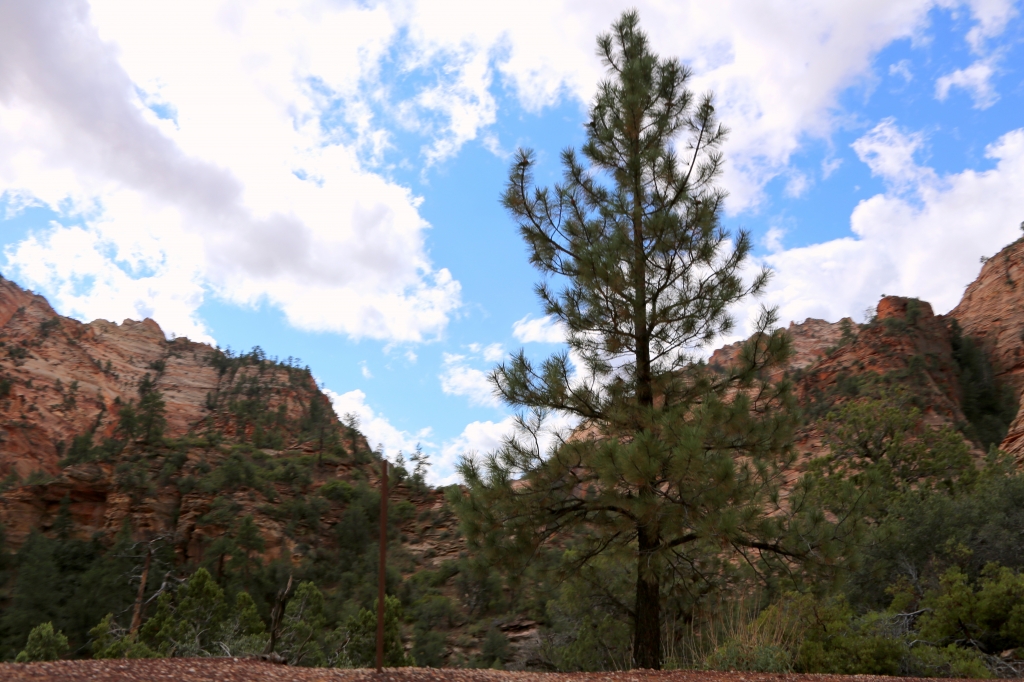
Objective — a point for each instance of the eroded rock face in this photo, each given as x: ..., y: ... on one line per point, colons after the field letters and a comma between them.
x: 66, y: 378
x: 811, y: 340
x: 908, y: 344
x: 60, y: 379
x: 992, y: 311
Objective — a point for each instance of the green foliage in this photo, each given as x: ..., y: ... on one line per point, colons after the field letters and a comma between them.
x: 878, y: 643
x: 988, y: 405
x: 111, y: 641
x: 879, y: 449
x: 34, y: 601
x: 47, y: 326
x: 494, y: 649
x: 305, y: 638
x: 44, y: 644
x: 428, y: 647
x: 362, y: 636
x: 589, y: 617
x: 479, y: 586
x: 66, y: 581
x: 923, y: 535
x: 766, y: 658
x: 80, y: 450
x: 685, y: 485
x: 806, y: 634
x: 128, y: 421
x: 837, y: 642
x: 988, y: 615
x: 336, y: 490
x: 151, y: 421
x: 198, y: 620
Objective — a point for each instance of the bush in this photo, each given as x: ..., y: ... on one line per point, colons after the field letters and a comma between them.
x: 362, y: 634
x: 990, y: 613
x: 44, y: 644
x: 766, y: 643
x: 494, y: 650
x: 765, y: 658
x: 336, y: 491
x: 428, y: 647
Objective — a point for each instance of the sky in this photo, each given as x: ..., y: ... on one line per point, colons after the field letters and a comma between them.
x: 321, y: 178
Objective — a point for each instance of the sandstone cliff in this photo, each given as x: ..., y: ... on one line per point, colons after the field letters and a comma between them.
x: 63, y: 385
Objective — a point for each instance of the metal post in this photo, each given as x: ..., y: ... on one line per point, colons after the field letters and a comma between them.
x: 381, y: 573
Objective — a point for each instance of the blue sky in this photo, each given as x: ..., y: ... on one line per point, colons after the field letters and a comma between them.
x: 321, y: 178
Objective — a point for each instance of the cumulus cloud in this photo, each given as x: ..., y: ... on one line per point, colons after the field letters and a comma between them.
x: 116, y: 273
x: 923, y: 237
x: 482, y: 437
x: 478, y: 437
x: 269, y: 208
x: 538, y: 330
x: 459, y: 378
x: 976, y: 79
x: 777, y: 69
x: 256, y: 143
x: 377, y: 429
x: 890, y: 154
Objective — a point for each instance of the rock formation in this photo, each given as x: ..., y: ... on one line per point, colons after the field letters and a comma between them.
x: 62, y: 380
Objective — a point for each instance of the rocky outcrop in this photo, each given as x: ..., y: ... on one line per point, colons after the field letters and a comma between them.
x: 810, y: 342
x: 992, y: 311
x: 907, y: 344
x: 63, y: 381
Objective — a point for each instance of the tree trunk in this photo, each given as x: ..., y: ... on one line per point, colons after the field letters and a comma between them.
x: 647, y: 624
x: 276, y: 614
x: 137, y: 611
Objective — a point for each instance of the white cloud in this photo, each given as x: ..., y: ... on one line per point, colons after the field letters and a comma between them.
x: 279, y: 109
x: 540, y: 330
x: 482, y: 437
x: 830, y: 166
x: 478, y: 437
x: 116, y: 273
x: 365, y: 371
x: 340, y: 250
x: 976, y: 79
x: 773, y: 239
x: 797, y: 184
x: 493, y: 353
x: 458, y: 378
x: 889, y: 152
x: 377, y: 429
x: 777, y: 69
x: 901, y: 69
x: 992, y: 17
x: 923, y: 238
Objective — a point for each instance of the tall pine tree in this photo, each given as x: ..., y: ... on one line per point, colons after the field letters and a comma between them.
x: 675, y: 466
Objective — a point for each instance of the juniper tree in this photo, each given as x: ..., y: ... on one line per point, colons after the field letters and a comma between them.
x: 674, y: 466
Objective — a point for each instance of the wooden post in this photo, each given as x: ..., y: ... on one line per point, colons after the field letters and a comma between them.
x: 382, y: 572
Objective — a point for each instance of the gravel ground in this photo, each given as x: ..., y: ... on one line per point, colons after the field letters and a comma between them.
x: 246, y: 670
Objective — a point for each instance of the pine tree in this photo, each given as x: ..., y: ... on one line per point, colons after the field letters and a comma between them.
x: 151, y: 411
x: 676, y: 466
x: 36, y: 596
x: 362, y: 634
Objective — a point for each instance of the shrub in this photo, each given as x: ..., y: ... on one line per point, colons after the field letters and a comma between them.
x: 362, y: 633
x: 336, y: 491
x: 44, y: 644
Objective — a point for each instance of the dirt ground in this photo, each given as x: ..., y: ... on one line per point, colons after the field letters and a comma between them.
x: 239, y: 670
